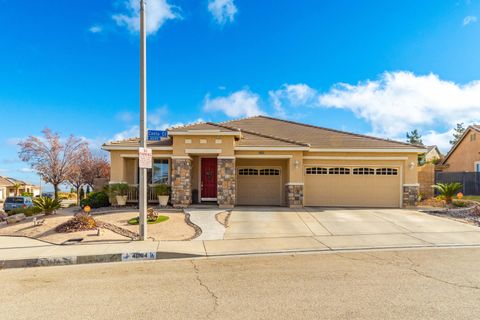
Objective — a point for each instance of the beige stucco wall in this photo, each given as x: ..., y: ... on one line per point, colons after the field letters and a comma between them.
x: 226, y: 144
x: 465, y: 155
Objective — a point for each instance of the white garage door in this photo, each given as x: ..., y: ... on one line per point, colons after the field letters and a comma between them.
x: 351, y: 186
x: 259, y: 186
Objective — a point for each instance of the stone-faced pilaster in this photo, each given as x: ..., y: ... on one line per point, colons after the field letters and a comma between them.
x: 294, y: 195
x: 181, y: 182
x: 410, y: 195
x: 226, y: 184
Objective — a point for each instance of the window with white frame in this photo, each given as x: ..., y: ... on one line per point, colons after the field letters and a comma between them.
x: 269, y: 172
x: 159, y: 173
x: 247, y: 172
x: 363, y: 171
x: 339, y: 171
x: 387, y: 172
x: 316, y: 170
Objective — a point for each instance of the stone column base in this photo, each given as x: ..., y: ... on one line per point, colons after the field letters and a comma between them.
x: 294, y: 195
x: 410, y: 195
x: 181, y: 182
x: 226, y: 184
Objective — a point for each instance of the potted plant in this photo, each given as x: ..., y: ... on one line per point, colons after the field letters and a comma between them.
x: 119, y: 190
x: 163, y: 194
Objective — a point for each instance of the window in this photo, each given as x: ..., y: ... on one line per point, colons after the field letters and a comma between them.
x: 387, y: 172
x: 473, y: 137
x: 477, y: 166
x: 269, y: 172
x: 247, y: 172
x: 339, y: 171
x: 316, y: 170
x: 159, y: 172
x: 364, y: 171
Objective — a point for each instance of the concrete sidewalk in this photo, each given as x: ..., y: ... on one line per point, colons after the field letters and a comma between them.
x: 18, y: 252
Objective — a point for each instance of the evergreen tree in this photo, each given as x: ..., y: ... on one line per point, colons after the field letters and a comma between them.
x: 88, y: 190
x: 459, y: 130
x: 82, y: 193
x: 414, y: 137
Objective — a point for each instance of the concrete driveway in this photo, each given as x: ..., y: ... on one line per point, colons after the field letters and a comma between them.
x: 350, y: 228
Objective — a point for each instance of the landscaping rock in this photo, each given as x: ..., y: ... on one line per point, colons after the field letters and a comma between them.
x: 15, y: 218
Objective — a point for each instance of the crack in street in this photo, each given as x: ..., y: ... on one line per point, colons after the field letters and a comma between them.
x: 210, y: 292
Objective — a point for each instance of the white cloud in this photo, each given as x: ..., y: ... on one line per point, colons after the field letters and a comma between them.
x: 157, y: 11
x: 237, y: 104
x: 26, y: 170
x: 132, y: 132
x: 157, y: 116
x: 401, y: 101
x: 95, y: 29
x: 469, y: 19
x: 442, y: 140
x: 295, y: 95
x: 223, y: 11
x: 124, y: 116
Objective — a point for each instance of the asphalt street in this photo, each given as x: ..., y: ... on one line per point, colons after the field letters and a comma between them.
x: 410, y: 284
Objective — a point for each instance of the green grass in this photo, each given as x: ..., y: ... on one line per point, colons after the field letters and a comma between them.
x: 475, y: 198
x: 134, y: 221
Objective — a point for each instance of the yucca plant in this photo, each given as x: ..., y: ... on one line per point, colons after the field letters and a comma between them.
x: 448, y: 190
x: 48, y: 205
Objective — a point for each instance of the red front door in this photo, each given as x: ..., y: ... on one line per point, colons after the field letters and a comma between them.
x: 209, y: 178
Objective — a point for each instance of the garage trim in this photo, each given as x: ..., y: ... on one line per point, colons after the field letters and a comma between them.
x: 333, y: 165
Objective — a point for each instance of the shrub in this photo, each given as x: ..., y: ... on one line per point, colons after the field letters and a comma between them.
x: 47, y: 205
x: 30, y: 211
x: 448, y: 190
x: 162, y: 189
x: 118, y: 189
x: 80, y: 222
x: 27, y: 194
x: 460, y: 204
x: 95, y: 200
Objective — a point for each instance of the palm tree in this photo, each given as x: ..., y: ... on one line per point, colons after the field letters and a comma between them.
x: 448, y: 190
x: 16, y: 186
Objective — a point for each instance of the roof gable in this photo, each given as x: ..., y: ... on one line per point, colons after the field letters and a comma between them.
x: 452, y: 150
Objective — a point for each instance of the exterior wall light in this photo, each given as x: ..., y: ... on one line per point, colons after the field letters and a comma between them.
x: 296, y: 163
x: 411, y: 165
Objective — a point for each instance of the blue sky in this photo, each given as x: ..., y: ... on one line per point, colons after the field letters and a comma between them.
x: 375, y: 67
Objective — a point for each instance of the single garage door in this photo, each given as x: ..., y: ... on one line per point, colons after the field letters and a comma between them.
x: 338, y: 186
x: 259, y: 186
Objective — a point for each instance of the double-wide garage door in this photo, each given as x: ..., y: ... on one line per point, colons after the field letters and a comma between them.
x: 338, y: 186
x: 259, y: 186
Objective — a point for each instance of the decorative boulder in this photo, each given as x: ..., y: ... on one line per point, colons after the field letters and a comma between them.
x: 15, y: 218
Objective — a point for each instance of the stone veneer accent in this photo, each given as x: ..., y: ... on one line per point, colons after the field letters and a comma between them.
x: 181, y: 182
x: 294, y: 195
x: 226, y: 184
x: 410, y: 196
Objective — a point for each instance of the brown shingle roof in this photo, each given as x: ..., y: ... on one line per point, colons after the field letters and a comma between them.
x: 5, y: 182
x: 316, y: 137
x: 265, y: 131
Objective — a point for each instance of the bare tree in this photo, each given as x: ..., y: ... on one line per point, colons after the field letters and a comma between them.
x: 76, y: 176
x: 50, y: 157
x: 95, y: 167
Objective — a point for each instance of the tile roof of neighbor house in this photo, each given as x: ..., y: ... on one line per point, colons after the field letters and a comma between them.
x: 267, y: 131
x: 10, y: 182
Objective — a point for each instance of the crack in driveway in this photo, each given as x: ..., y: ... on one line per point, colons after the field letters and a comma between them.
x: 209, y: 291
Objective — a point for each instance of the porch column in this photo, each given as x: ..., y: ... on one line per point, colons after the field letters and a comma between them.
x: 294, y: 186
x: 181, y: 181
x: 226, y: 184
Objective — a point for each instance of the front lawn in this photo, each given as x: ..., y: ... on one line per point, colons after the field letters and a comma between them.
x: 134, y: 221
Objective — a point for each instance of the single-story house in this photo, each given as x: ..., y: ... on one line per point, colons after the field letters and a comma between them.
x: 9, y: 185
x: 266, y: 161
x: 465, y: 154
x: 433, y: 153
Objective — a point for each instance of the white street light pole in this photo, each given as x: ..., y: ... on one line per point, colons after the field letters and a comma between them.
x: 142, y: 197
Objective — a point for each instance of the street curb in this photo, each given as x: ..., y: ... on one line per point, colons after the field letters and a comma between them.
x: 87, y: 259
x: 152, y: 256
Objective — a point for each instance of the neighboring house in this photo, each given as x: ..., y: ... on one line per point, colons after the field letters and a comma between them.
x: 432, y: 154
x: 7, y: 187
x: 266, y: 161
x: 465, y: 154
